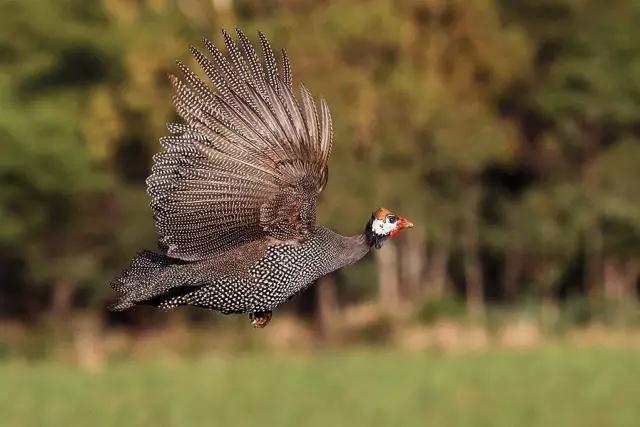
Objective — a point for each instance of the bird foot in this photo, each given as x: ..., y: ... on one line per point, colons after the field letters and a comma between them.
x: 260, y: 319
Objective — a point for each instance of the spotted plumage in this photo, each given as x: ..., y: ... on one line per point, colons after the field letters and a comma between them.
x: 234, y: 192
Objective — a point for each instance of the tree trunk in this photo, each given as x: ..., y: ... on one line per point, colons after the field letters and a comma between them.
x: 326, y: 305
x: 550, y: 312
x: 62, y: 300
x: 593, y: 262
x: 88, y: 341
x: 388, y: 283
x: 471, y: 260
x: 437, y: 276
x: 620, y: 279
x: 475, y: 285
x: 412, y: 260
x: 511, y: 271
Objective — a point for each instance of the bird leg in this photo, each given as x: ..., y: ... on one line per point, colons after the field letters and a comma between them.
x: 260, y: 319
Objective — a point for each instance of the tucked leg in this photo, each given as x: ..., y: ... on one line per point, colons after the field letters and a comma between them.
x: 260, y: 319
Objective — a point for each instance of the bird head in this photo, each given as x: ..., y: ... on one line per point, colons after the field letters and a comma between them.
x: 384, y: 225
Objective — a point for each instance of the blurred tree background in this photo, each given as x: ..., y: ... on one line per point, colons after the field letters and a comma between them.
x: 506, y: 130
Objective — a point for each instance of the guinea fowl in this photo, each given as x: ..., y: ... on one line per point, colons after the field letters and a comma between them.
x: 234, y: 192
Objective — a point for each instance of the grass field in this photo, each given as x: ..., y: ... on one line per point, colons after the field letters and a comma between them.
x: 543, y: 387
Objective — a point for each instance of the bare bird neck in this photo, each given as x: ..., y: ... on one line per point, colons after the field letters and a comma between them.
x: 356, y: 247
x: 345, y: 250
x: 361, y: 240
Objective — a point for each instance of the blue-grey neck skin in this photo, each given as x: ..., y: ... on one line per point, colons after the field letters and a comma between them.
x: 339, y: 250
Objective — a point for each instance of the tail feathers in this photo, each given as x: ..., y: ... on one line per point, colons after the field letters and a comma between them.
x: 131, y: 285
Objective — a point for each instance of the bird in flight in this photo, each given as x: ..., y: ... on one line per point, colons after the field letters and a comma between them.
x: 235, y: 189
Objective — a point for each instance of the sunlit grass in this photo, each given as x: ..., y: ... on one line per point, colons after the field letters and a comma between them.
x: 543, y: 387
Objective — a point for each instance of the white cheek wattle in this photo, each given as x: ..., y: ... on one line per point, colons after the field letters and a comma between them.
x: 382, y: 228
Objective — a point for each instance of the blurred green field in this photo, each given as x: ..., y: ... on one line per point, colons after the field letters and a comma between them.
x: 553, y: 386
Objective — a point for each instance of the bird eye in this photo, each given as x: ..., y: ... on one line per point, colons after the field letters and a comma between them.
x: 392, y: 219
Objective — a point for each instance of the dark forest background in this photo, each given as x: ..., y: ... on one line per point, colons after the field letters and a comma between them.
x: 507, y: 131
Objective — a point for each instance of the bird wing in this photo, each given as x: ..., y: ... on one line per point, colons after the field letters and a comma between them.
x: 248, y: 162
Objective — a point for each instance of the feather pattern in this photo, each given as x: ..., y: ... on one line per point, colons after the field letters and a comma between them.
x: 248, y: 162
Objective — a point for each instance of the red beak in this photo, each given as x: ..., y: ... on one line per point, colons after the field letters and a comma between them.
x: 404, y: 223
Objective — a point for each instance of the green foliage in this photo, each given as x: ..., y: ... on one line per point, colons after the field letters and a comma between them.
x: 518, y: 119
x: 446, y: 308
x: 579, y: 312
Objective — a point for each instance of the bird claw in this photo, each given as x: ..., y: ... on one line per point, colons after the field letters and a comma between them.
x: 260, y: 319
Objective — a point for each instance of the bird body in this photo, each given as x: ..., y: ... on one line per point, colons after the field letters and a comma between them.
x: 234, y: 192
x: 256, y: 277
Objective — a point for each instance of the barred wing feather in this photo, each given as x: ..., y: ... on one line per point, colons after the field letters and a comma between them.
x: 248, y: 162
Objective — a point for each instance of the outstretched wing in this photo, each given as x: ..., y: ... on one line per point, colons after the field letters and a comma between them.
x: 249, y: 161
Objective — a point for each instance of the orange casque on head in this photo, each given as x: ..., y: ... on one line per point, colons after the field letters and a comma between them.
x: 381, y: 213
